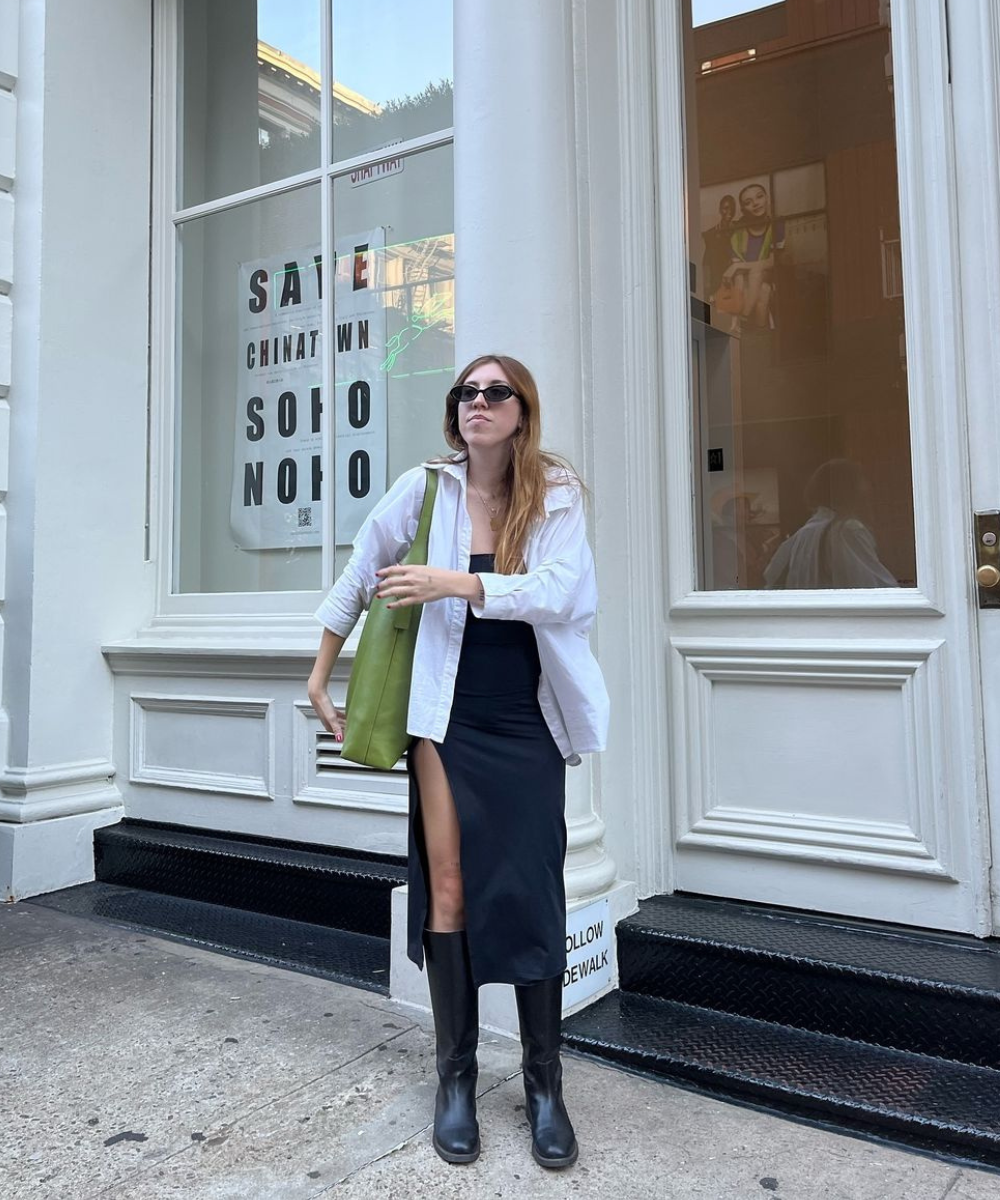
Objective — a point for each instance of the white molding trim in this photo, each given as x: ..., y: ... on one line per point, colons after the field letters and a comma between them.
x: 60, y: 790
x: 162, y: 292
x: 644, y: 481
x: 213, y: 662
x: 974, y: 29
x: 925, y: 151
x: 877, y: 844
x: 858, y: 602
x: 672, y: 318
x: 921, y: 846
x: 260, y: 786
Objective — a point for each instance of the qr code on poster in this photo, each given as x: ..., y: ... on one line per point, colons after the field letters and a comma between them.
x: 305, y: 518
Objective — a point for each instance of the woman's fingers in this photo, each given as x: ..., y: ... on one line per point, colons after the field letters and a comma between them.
x: 396, y: 584
x: 332, y: 719
x: 338, y: 724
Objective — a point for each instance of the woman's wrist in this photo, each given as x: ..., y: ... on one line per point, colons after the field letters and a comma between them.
x: 472, y: 589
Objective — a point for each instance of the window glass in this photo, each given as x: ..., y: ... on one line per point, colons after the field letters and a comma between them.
x: 249, y: 464
x: 394, y: 309
x: 802, y: 437
x: 392, y: 72
x: 257, y: 281
x: 250, y: 95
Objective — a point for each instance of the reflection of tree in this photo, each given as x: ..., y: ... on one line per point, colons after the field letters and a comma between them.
x: 289, y: 115
x: 397, y: 120
x: 284, y: 153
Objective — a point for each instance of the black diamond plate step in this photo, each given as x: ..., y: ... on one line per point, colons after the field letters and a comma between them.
x: 342, y: 889
x: 352, y: 958
x: 947, y: 1107
x: 934, y: 994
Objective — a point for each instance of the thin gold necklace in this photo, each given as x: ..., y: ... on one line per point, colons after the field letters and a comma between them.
x: 491, y: 512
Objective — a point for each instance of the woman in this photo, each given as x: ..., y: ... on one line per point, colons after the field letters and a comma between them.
x: 504, y: 692
x: 753, y: 246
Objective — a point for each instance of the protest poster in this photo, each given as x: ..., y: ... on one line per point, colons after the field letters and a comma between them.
x: 278, y: 468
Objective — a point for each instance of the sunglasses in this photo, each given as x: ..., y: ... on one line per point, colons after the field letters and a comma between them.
x: 496, y: 393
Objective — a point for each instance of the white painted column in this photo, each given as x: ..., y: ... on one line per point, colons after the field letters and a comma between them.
x: 77, y: 402
x: 518, y: 292
x: 517, y: 259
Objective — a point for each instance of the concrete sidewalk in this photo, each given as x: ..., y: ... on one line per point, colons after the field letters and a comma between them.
x: 137, y: 1068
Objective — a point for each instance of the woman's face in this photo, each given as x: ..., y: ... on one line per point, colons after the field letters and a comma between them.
x: 487, y: 425
x: 727, y: 209
x: 753, y: 201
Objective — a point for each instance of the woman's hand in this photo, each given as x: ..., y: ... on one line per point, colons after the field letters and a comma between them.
x: 319, y: 678
x: 402, y: 586
x: 333, y: 719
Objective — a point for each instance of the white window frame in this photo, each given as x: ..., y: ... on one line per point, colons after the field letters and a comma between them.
x: 238, y: 615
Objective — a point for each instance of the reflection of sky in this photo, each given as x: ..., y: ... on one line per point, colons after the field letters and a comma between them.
x: 383, y: 49
x: 704, y: 12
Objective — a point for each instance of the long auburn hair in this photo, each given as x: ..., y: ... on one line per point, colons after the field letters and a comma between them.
x: 532, y: 471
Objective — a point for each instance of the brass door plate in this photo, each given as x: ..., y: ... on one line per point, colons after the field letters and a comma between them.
x: 987, y: 555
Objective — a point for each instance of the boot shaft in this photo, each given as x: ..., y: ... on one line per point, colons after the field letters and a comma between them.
x: 454, y: 1001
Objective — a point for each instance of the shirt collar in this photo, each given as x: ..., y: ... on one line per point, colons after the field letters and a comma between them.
x: 557, y: 496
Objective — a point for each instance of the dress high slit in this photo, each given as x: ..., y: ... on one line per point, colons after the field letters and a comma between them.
x: 508, y: 780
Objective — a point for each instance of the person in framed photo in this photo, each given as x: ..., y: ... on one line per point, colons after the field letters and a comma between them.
x: 718, y: 250
x: 754, y: 244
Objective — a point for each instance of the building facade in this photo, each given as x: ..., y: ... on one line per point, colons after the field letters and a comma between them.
x: 748, y: 251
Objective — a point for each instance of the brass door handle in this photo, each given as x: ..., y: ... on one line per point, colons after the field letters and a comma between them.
x: 987, y: 576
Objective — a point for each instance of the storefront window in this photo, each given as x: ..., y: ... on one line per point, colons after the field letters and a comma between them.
x: 260, y: 454
x: 802, y: 437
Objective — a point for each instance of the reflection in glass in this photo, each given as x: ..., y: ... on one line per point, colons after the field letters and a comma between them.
x: 392, y: 71
x: 835, y: 548
x: 250, y: 95
x: 406, y: 220
x: 248, y: 473
x: 798, y: 332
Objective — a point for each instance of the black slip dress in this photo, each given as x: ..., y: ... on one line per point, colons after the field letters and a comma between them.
x: 508, y: 779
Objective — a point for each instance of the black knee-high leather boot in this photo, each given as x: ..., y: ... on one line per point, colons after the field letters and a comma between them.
x: 455, y: 1004
x: 539, y: 1011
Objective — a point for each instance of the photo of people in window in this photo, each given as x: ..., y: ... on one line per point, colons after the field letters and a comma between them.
x: 755, y: 232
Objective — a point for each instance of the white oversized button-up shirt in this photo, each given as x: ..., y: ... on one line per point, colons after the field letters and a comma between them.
x: 557, y: 595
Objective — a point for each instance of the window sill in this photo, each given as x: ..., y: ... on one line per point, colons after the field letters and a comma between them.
x: 279, y: 648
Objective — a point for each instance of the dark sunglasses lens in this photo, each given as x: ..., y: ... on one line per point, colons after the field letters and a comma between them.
x: 497, y: 392
x: 464, y: 393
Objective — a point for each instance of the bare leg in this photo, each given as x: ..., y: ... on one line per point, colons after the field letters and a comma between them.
x: 445, y: 901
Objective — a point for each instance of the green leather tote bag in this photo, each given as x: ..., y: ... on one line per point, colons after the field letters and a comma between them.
x: 378, y: 694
